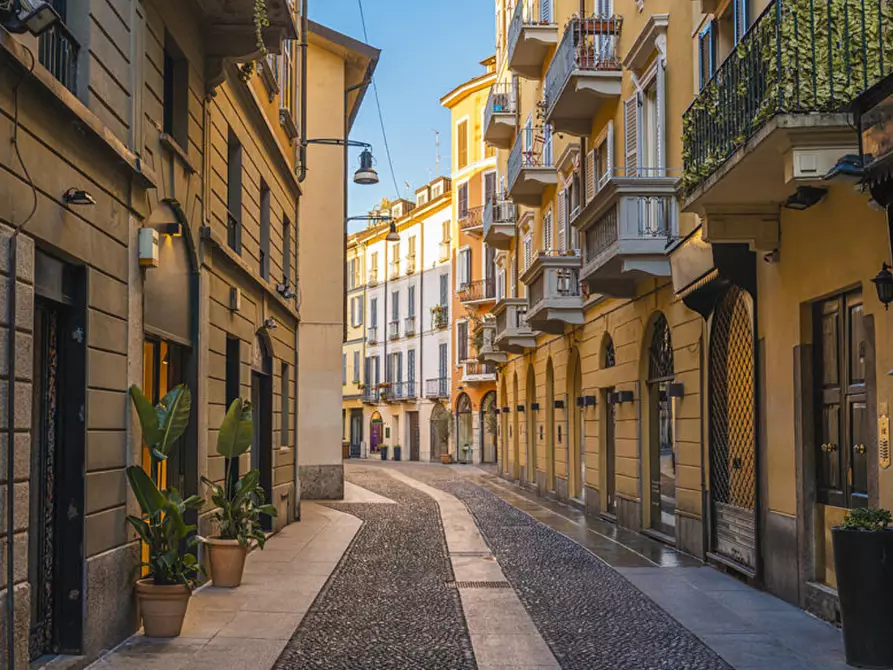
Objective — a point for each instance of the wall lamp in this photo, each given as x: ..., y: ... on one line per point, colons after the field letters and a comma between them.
x: 520, y: 409
x: 534, y: 407
x: 883, y: 282
x: 35, y: 16
x: 285, y: 290
x: 589, y: 401
x: 75, y: 196
x: 172, y: 229
x: 366, y: 174
x: 805, y: 197
x: 559, y: 404
x: 270, y: 323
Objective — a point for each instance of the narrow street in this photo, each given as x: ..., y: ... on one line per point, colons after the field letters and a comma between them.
x: 425, y: 566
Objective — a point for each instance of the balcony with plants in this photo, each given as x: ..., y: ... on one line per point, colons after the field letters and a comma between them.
x: 584, y: 74
x: 501, y: 115
x: 532, y: 32
x: 440, y: 316
x: 499, y: 222
x: 371, y: 395
x: 626, y: 225
x: 476, y: 372
x: 554, y: 296
x: 513, y: 334
x: 785, y: 88
x: 531, y: 167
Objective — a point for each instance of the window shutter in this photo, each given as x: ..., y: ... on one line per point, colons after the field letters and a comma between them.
x: 410, y: 365
x: 631, y: 121
x: 562, y: 214
x: 356, y: 366
x: 462, y: 132
x: 361, y: 307
x: 528, y: 250
x: 368, y: 371
x: 706, y: 54
x: 591, y: 176
x: 547, y: 231
x: 444, y: 289
x: 545, y: 11
x: 741, y: 22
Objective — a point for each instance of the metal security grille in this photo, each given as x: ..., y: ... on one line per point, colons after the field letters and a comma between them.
x: 732, y: 430
x: 661, y: 363
x: 610, y: 357
x: 478, y: 585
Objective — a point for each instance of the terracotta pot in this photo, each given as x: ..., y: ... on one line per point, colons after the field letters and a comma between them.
x: 227, y: 559
x: 446, y: 459
x: 162, y: 608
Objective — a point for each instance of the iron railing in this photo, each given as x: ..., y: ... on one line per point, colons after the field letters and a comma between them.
x: 440, y: 316
x: 373, y: 276
x: 402, y: 391
x: 409, y: 326
x: 471, y: 218
x: 499, y: 211
x: 652, y: 216
x: 798, y: 57
x: 394, y: 330
x: 527, y: 13
x: 371, y: 394
x: 437, y: 388
x: 589, y: 44
x: 372, y: 335
x: 532, y: 149
x: 58, y: 53
x: 502, y: 100
x: 478, y: 369
x: 480, y: 289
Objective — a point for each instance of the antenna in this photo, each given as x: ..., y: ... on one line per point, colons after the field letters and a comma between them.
x: 436, y: 152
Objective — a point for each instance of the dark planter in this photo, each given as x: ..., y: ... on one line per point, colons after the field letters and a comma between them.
x: 384, y: 453
x: 863, y: 562
x: 397, y: 453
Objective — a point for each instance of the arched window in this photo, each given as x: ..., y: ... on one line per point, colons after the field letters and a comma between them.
x: 609, y: 360
x: 661, y: 361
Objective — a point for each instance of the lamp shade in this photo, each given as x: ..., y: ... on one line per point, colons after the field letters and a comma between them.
x: 883, y: 282
x: 366, y: 175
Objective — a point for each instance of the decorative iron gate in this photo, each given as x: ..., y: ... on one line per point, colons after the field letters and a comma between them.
x: 733, y: 431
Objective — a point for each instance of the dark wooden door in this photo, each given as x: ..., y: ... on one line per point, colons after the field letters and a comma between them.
x: 841, y: 405
x: 610, y: 485
x: 262, y: 447
x: 413, y: 436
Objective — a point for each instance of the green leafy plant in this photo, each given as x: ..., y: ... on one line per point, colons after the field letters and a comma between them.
x: 162, y: 526
x: 867, y: 519
x: 261, y: 21
x: 239, y: 504
x: 163, y: 424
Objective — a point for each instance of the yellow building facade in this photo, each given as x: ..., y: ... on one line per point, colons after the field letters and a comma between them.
x: 674, y: 289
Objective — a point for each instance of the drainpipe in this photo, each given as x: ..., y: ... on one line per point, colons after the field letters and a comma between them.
x: 421, y: 330
x: 302, y: 175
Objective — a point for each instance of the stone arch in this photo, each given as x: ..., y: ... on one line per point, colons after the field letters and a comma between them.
x: 464, y: 428
x: 550, y: 425
x: 488, y: 428
x: 575, y: 437
x: 531, y: 424
x: 513, y: 430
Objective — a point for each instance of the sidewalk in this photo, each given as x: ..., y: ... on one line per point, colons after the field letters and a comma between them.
x: 247, y: 628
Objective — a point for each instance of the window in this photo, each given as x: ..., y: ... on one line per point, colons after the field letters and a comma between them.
x: 410, y: 371
x: 343, y: 369
x: 500, y: 284
x: 375, y: 261
x: 284, y: 412
x: 437, y: 190
x: 464, y: 267
x: 462, y: 144
x: 233, y: 386
x: 547, y: 231
x: 462, y: 341
x: 489, y: 187
x: 234, y: 193
x: 443, y: 361
x: 176, y: 93
x: 528, y: 250
x: 445, y: 232
x: 421, y: 198
x: 562, y: 215
x: 410, y: 294
x: 706, y: 55
x: 462, y: 205
x: 373, y: 313
x: 356, y: 312
x: 631, y: 134
x: 742, y: 22
x: 287, y: 80
x: 444, y: 288
x: 410, y: 254
x: 263, y: 255
x: 286, y: 252
x: 649, y: 140
x: 356, y: 367
x: 395, y: 306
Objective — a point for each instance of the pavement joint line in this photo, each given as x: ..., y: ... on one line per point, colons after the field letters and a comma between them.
x: 506, y: 487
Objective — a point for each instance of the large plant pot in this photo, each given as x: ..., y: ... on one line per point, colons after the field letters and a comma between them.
x: 227, y: 559
x: 863, y: 563
x: 384, y: 453
x: 162, y: 608
x: 397, y: 451
x: 446, y: 459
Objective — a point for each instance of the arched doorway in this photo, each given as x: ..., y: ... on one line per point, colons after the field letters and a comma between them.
x: 513, y: 431
x: 504, y: 427
x: 262, y: 413
x: 733, y: 487
x: 550, y: 426
x: 576, y: 434
x: 464, y: 429
x: 531, y: 425
x: 609, y: 417
x: 376, y: 432
x: 488, y: 428
x: 441, y: 419
x: 662, y: 452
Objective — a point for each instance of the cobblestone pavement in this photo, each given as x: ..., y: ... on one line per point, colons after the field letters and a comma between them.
x: 590, y: 616
x: 387, y: 605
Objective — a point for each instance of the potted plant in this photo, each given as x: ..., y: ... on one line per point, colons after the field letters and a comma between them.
x: 397, y: 451
x: 383, y: 450
x: 863, y: 560
x: 164, y: 595
x: 239, y: 503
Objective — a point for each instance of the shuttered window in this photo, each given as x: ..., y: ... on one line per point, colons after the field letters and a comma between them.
x: 462, y: 144
x: 528, y: 250
x: 442, y: 361
x: 706, y: 55
x: 545, y: 11
x: 741, y: 19
x: 444, y: 288
x: 591, y: 175
x: 462, y: 340
x: 462, y: 207
x: 547, y: 231
x: 562, y: 215
x: 631, y: 134
x: 356, y: 367
x: 464, y: 267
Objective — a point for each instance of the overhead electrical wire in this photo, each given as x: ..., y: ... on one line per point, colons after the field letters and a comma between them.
x: 384, y: 134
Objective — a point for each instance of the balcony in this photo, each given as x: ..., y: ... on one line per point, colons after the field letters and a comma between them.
x: 783, y: 92
x: 394, y: 330
x: 500, y: 220
x: 531, y: 169
x: 513, y: 335
x: 395, y: 271
x: 553, y: 291
x: 58, y: 53
x: 437, y: 388
x: 409, y: 326
x: 402, y: 392
x: 371, y: 395
x: 479, y: 291
x: 372, y: 335
x: 373, y: 277
x: 501, y: 116
x: 471, y: 221
x: 532, y: 33
x: 474, y: 372
x: 444, y: 251
x: 626, y: 229
x: 440, y: 316
x: 584, y: 74
x: 487, y: 352
x: 410, y: 265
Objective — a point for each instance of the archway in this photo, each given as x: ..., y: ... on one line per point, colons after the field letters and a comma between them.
x: 376, y: 432
x: 262, y: 413
x: 662, y: 443
x: 441, y: 422
x: 513, y: 431
x: 464, y: 429
x: 609, y: 422
x: 531, y: 424
x: 576, y: 433
x: 550, y: 426
x: 488, y: 428
x: 504, y: 427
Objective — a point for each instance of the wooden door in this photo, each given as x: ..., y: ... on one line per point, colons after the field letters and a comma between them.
x: 413, y: 436
x: 610, y: 486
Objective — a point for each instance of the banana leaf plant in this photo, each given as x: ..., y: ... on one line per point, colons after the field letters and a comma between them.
x: 163, y: 424
x: 239, y: 503
x: 162, y: 527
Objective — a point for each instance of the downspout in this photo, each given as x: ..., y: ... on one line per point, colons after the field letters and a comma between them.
x: 421, y: 326
x: 302, y: 175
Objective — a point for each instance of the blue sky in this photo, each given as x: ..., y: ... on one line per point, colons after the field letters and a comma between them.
x: 427, y: 48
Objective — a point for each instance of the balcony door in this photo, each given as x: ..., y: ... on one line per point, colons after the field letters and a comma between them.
x: 262, y: 412
x: 662, y: 438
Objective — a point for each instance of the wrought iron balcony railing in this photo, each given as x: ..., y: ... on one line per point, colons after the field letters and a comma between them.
x: 502, y: 100
x: 373, y: 277
x: 797, y: 57
x: 402, y: 391
x: 528, y: 13
x: 371, y: 394
x: 409, y: 326
x: 372, y: 335
x: 58, y: 53
x: 437, y: 388
x: 589, y: 45
x: 471, y: 219
x: 394, y: 330
x: 440, y: 316
x: 474, y: 371
x: 478, y: 290
x: 532, y: 149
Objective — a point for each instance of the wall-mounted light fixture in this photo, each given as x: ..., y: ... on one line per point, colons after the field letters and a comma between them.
x: 559, y: 404
x: 78, y: 197
x: 35, y: 16
x: 883, y: 282
x: 589, y: 401
x: 535, y: 407
x: 285, y: 290
x: 270, y: 323
x: 581, y: 401
x: 676, y: 390
x: 805, y: 197
x: 520, y: 409
x: 172, y: 229
x: 506, y: 410
x: 625, y: 396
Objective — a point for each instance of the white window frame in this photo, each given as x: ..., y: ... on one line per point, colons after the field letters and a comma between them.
x: 458, y: 349
x: 461, y: 264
